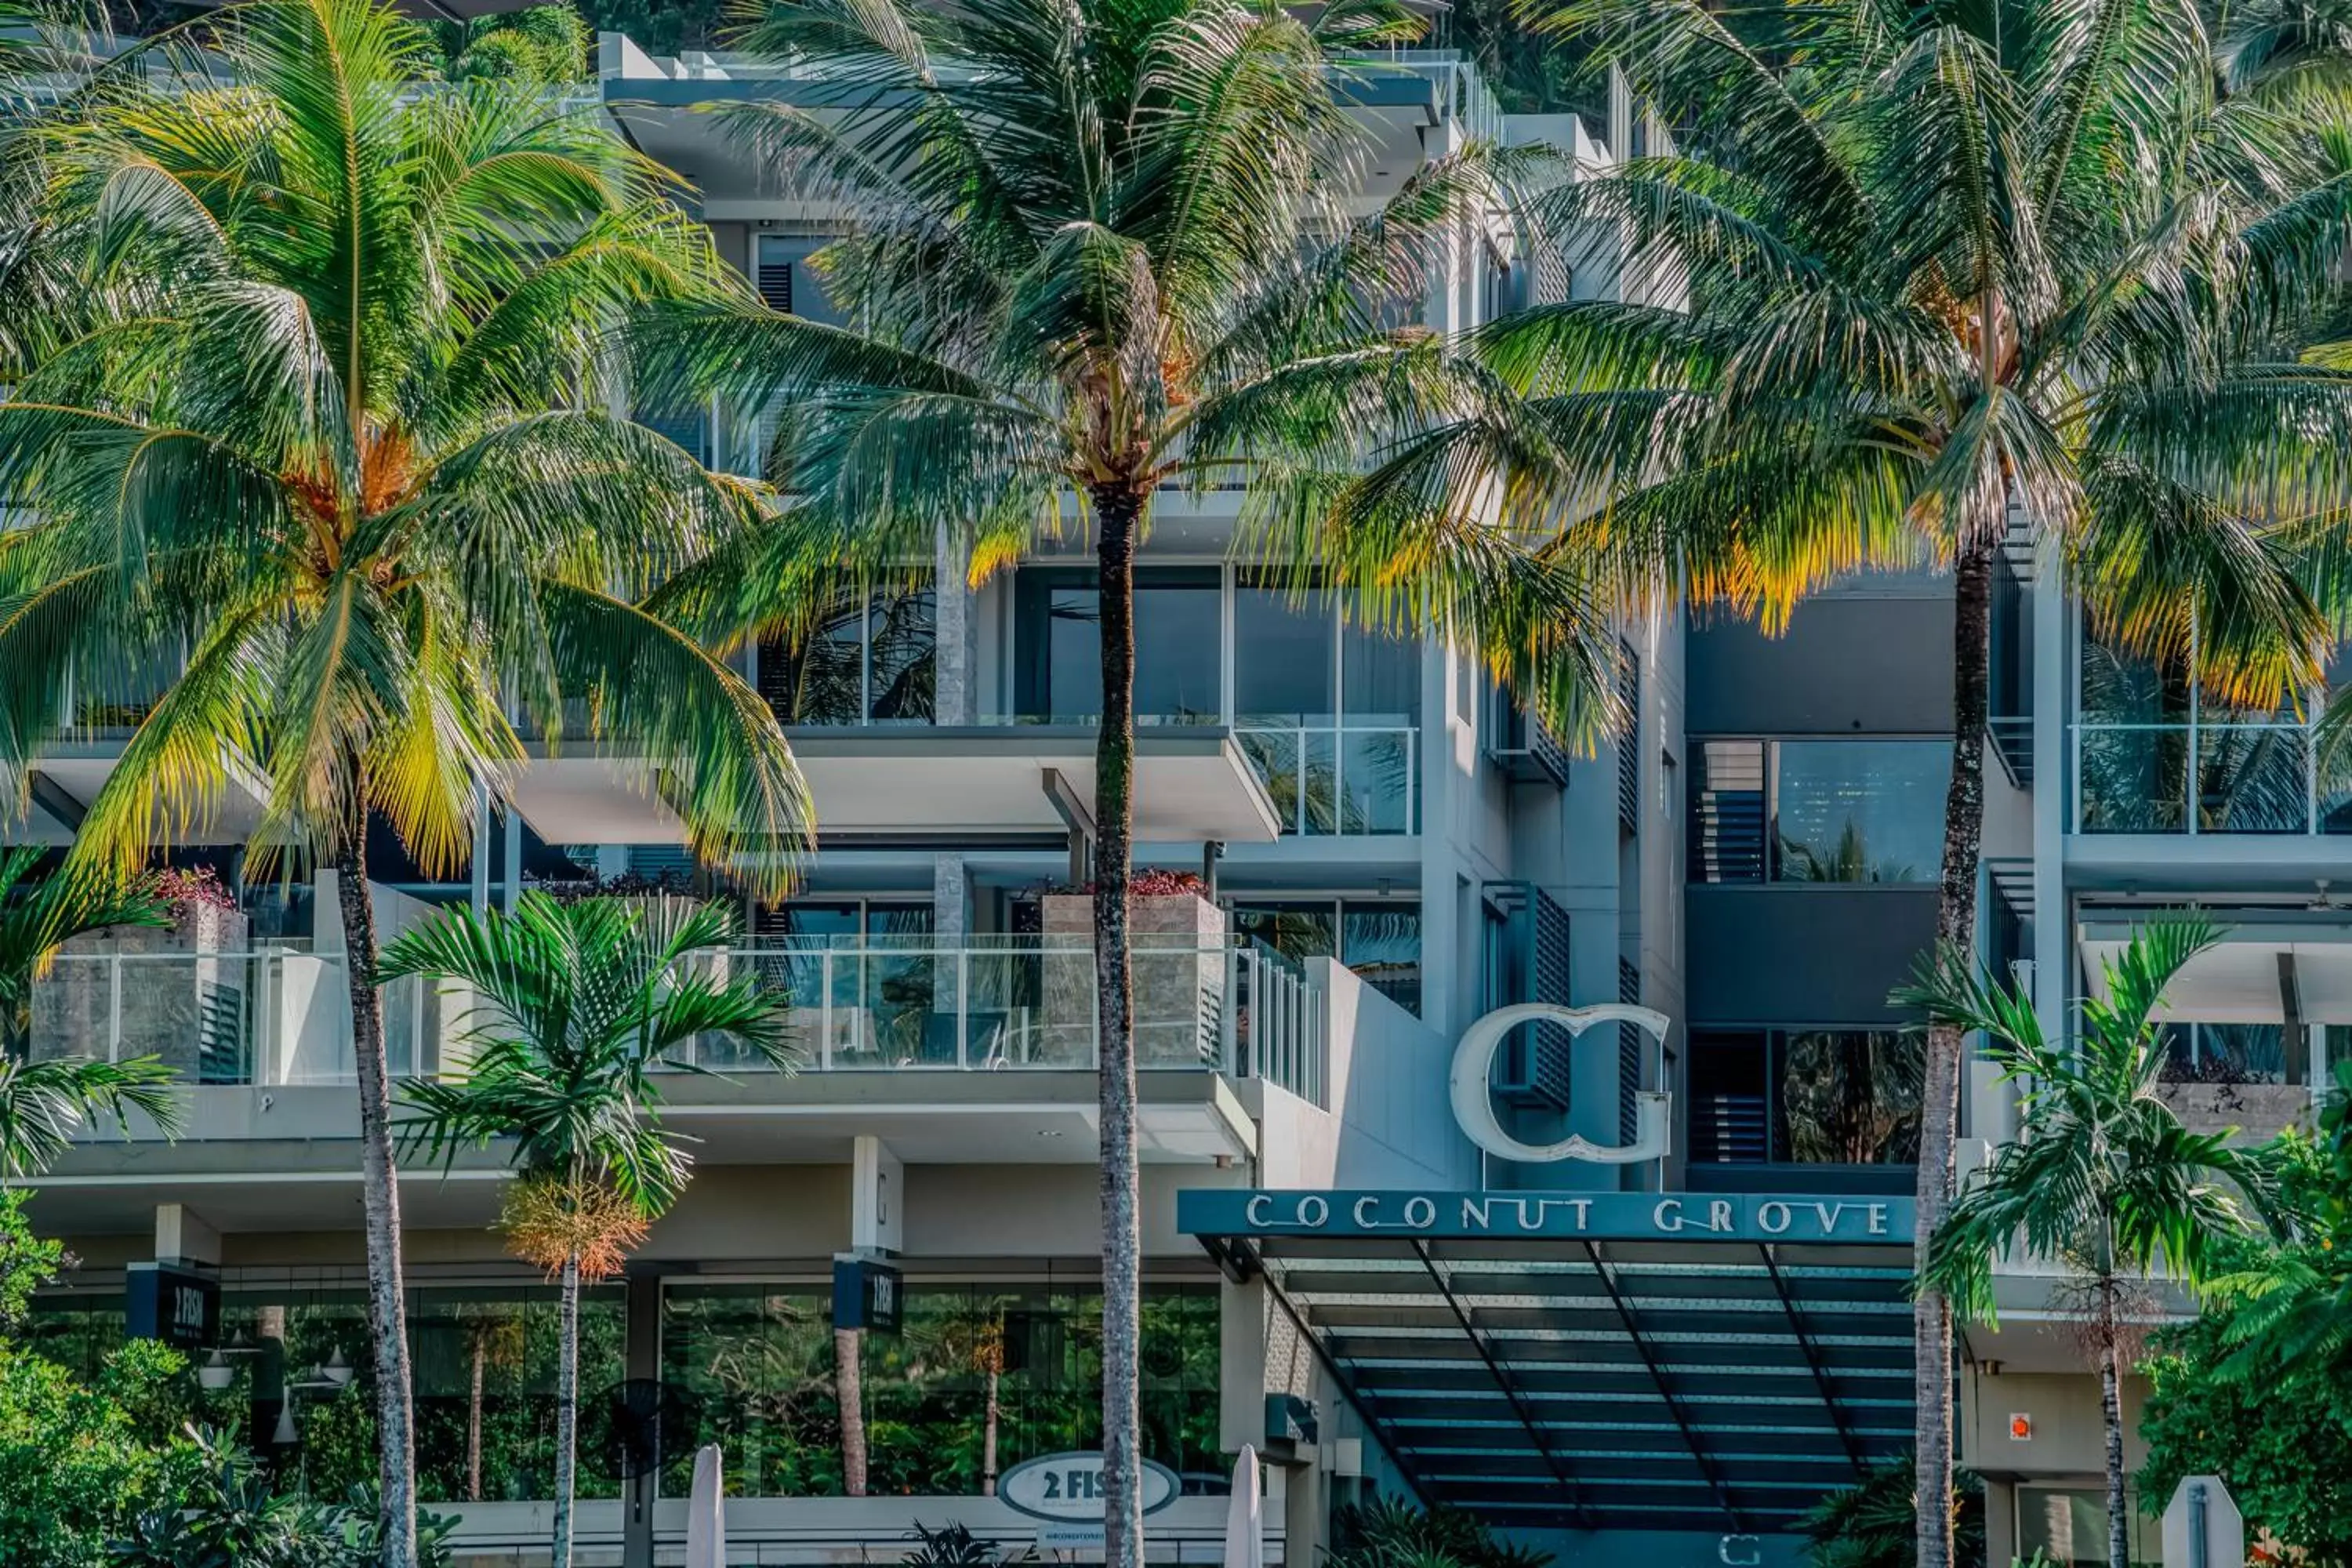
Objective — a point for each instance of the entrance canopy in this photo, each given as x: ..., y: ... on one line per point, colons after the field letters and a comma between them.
x: 1557, y: 1359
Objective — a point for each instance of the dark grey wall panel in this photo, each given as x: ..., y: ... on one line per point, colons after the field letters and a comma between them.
x: 1844, y: 666
x: 1802, y: 954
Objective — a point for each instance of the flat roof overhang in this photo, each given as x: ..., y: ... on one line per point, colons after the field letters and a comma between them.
x: 1598, y: 1361
x: 986, y: 782
x: 2253, y: 974
x: 68, y: 774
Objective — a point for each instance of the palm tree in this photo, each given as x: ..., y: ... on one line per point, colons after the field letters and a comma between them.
x: 1096, y: 248
x: 577, y: 1005
x: 2101, y: 1176
x: 1921, y: 276
x: 969, y: 1336
x: 335, y: 450
x: 493, y: 1336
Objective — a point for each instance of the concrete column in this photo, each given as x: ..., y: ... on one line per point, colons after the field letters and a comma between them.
x: 954, y: 692
x: 183, y: 1237
x: 950, y: 901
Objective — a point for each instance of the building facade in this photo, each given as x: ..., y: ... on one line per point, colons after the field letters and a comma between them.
x: 1360, y: 850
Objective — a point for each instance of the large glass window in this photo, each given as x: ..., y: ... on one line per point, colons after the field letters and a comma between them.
x: 1808, y: 1096
x: 1179, y: 631
x: 1328, y: 713
x: 298, y: 1382
x: 1859, y: 811
x: 2155, y: 752
x: 870, y: 661
x: 1818, y: 811
x: 1379, y: 939
x: 1015, y: 1368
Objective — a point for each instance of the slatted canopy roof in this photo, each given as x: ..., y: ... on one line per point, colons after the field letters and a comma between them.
x: 1606, y: 1381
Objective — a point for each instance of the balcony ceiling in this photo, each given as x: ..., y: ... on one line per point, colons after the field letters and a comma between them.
x: 1192, y: 785
x: 2237, y: 981
x: 69, y: 775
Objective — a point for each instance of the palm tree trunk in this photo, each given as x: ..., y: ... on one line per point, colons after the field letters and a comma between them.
x: 567, y: 1409
x: 849, y: 1394
x: 1940, y: 1107
x: 474, y: 1423
x: 380, y: 1193
x: 988, y: 1436
x: 2111, y: 1410
x: 1116, y: 512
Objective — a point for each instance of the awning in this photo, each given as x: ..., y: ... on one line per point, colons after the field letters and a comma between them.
x: 1605, y: 1361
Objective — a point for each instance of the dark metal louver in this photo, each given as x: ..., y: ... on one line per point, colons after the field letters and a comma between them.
x: 1726, y: 812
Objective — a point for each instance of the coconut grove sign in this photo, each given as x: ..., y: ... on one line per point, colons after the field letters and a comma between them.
x: 1525, y: 1216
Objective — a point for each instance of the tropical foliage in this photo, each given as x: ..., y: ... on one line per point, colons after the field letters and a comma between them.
x: 79, y: 1460
x: 2102, y: 1177
x: 2258, y: 1389
x: 1095, y: 250
x: 1905, y: 281
x: 1389, y: 1532
x: 575, y: 1008
x: 331, y: 501
x: 1874, y: 1522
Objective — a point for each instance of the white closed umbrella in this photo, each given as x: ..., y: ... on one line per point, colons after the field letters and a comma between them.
x: 706, y: 1516
x: 1245, y: 1519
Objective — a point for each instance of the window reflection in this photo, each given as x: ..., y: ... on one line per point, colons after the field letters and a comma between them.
x: 483, y: 1363
x: 1179, y: 631
x: 873, y: 659
x: 1014, y: 1369
x: 1860, y: 811
x: 1378, y: 939
x: 1814, y: 1097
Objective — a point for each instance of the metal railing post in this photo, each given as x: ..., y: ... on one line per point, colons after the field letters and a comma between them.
x: 825, y: 1009
x: 963, y: 1007
x: 114, y: 1009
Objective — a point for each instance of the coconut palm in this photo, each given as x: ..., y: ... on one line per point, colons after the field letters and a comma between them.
x: 1920, y: 276
x: 1097, y: 248
x: 576, y: 1006
x: 334, y: 451
x: 2101, y: 1176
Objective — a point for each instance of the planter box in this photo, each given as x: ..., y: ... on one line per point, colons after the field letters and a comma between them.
x: 2256, y: 1109
x: 1180, y: 963
x: 178, y: 992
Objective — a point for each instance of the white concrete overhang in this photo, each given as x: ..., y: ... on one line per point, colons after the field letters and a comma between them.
x: 2239, y: 979
x: 68, y: 776
x: 1192, y: 785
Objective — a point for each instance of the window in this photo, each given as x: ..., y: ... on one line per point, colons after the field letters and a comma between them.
x: 1327, y: 713
x: 1379, y: 939
x: 482, y: 1361
x: 782, y: 272
x: 872, y: 661
x: 2068, y: 1526
x: 2156, y: 754
x: 1016, y: 1367
x: 1818, y: 811
x: 1179, y: 631
x: 1807, y: 1097
x: 1859, y: 811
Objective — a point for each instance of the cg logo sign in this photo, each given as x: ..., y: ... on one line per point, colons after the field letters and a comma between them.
x: 1474, y: 1100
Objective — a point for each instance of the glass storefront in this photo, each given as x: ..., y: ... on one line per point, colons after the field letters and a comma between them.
x: 484, y: 1374
x: 1013, y: 1366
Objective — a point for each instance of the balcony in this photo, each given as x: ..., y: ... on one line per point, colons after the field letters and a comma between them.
x: 1333, y: 781
x: 2192, y: 778
x: 279, y: 1017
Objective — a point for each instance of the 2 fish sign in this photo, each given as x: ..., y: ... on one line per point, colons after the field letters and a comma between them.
x: 1068, y: 1489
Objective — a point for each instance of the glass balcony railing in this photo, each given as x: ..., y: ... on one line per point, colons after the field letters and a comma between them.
x: 1011, y: 1003
x: 1349, y: 780
x: 2260, y: 777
